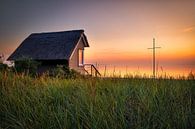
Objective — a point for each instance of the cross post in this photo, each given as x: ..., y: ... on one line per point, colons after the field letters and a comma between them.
x: 154, y: 58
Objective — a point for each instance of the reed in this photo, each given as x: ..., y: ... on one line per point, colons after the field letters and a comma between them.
x: 95, y: 103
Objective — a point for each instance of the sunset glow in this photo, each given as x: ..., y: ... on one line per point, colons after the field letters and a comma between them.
x: 119, y: 32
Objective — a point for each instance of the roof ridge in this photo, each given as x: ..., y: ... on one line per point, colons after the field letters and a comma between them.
x: 80, y: 30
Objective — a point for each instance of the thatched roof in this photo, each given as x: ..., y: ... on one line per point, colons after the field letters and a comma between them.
x: 49, y: 46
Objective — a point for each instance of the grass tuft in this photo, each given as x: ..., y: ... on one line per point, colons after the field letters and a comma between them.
x: 95, y: 103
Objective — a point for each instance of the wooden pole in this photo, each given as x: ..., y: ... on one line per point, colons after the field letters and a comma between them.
x: 105, y: 71
x: 154, y: 61
x: 154, y: 58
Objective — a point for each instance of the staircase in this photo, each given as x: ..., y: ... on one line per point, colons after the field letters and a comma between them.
x: 91, y: 70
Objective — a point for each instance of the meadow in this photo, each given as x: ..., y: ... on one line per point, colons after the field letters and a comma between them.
x: 95, y: 103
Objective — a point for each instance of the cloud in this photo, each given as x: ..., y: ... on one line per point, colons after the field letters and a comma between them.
x: 189, y: 29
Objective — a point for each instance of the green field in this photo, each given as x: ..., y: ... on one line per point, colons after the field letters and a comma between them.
x: 95, y: 103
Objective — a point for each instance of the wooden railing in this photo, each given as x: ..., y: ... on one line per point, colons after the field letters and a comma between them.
x: 91, y: 70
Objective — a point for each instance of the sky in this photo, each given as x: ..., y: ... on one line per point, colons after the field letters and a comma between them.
x: 119, y: 31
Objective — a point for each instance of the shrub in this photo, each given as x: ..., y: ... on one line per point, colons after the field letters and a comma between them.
x: 63, y: 71
x: 3, y: 67
x: 26, y: 66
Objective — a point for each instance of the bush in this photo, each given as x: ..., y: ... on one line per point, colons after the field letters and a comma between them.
x: 63, y: 71
x: 3, y: 67
x: 26, y: 66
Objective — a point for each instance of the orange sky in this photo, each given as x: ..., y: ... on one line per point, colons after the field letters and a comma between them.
x: 119, y: 32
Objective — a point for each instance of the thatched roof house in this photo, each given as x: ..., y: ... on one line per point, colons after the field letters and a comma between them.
x: 53, y: 48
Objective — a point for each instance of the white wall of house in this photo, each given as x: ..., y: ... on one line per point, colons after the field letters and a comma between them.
x: 74, y: 59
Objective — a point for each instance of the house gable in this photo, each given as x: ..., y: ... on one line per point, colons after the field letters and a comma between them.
x: 74, y: 58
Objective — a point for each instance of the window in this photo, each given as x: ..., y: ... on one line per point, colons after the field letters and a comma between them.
x: 81, y: 55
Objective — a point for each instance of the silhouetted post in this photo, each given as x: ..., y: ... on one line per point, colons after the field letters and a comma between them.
x: 154, y: 60
x: 105, y: 71
x: 126, y: 70
x: 1, y: 57
x: 91, y: 70
x: 114, y: 71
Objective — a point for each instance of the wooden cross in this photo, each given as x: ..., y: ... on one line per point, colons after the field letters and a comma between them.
x: 154, y: 57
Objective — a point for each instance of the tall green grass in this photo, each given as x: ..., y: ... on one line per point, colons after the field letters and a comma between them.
x: 95, y: 103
